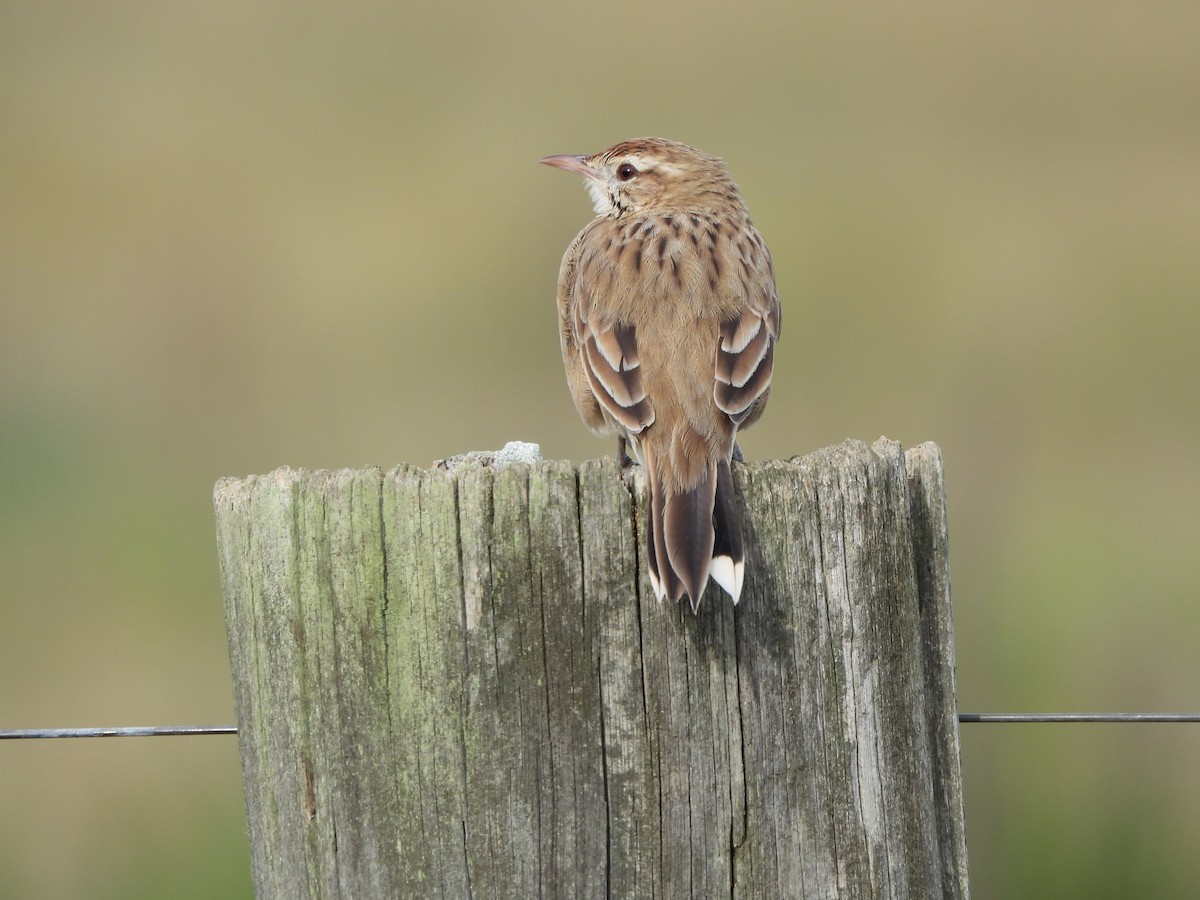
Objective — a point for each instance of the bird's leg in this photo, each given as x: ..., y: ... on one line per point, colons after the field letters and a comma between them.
x: 624, y: 460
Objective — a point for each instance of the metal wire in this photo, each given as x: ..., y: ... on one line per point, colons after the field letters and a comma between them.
x: 964, y: 718
x: 1004, y: 718
x: 122, y: 731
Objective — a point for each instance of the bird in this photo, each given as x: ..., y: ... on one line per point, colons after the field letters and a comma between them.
x: 668, y: 318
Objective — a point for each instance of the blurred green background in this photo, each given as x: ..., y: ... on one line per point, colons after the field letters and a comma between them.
x: 238, y: 236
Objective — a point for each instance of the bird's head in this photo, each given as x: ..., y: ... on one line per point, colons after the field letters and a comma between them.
x: 651, y: 173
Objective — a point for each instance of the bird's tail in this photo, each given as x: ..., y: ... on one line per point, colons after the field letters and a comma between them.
x: 695, y: 532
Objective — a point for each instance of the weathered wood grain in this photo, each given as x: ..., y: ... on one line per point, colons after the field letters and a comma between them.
x: 456, y: 684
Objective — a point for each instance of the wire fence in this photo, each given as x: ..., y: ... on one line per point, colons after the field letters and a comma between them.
x: 963, y: 718
x: 118, y: 731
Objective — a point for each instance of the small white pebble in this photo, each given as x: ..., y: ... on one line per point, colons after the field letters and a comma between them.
x: 512, y: 452
x: 516, y: 452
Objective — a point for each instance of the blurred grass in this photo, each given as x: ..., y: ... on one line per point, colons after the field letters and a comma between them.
x: 236, y: 237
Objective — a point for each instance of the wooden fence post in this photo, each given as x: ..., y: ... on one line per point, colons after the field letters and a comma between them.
x: 459, y: 684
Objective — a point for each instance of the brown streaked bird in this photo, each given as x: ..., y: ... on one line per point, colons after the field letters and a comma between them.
x: 668, y: 317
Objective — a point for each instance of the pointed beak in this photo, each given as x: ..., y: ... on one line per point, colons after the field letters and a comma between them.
x: 568, y: 163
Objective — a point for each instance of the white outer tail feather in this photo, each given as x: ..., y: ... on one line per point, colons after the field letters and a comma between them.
x: 729, y: 575
x: 660, y: 592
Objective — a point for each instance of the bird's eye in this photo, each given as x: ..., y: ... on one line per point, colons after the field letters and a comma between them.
x: 625, y: 171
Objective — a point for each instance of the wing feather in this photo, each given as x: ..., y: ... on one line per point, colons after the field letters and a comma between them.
x: 745, y: 361
x: 609, y: 358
